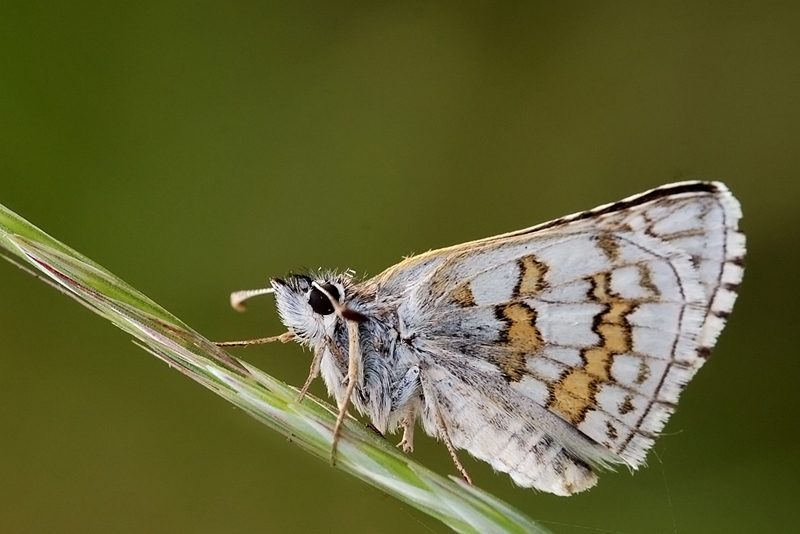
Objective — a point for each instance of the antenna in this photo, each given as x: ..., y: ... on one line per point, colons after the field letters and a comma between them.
x: 238, y: 298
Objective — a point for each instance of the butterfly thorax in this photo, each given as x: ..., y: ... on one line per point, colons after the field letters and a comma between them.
x: 382, y: 366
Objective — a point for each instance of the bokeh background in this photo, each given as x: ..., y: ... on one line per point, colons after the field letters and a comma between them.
x: 196, y: 148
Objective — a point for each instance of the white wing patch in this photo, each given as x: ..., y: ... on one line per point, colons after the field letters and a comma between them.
x: 591, y: 326
x: 530, y: 449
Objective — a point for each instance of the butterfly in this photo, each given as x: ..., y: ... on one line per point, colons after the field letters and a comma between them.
x: 550, y: 352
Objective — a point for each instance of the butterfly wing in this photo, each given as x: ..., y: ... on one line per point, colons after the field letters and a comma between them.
x: 597, y: 320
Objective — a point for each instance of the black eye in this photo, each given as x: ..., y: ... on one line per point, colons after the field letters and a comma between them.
x: 320, y: 302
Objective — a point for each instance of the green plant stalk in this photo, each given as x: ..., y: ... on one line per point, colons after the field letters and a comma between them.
x: 309, y: 423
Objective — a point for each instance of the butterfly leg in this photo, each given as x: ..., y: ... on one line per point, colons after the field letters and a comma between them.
x: 409, y: 421
x: 312, y: 374
x: 283, y: 338
x: 314, y: 371
x: 406, y: 394
x: 446, y: 438
x: 353, y: 377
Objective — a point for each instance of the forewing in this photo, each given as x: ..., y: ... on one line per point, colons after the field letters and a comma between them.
x: 601, y: 317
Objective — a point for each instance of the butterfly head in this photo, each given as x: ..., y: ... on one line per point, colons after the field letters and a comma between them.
x: 310, y: 306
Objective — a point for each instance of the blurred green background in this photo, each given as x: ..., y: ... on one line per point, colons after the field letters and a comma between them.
x: 196, y: 148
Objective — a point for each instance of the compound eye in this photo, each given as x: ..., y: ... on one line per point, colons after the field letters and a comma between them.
x: 320, y: 302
